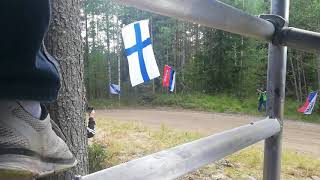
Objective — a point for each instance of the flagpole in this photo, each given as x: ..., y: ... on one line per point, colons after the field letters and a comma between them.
x: 174, y: 78
x: 151, y: 34
x: 119, y: 58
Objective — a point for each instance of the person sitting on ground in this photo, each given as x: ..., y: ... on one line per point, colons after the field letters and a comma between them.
x: 91, y: 123
x: 262, y: 99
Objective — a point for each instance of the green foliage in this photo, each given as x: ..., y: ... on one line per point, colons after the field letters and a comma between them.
x: 206, y: 60
x: 231, y: 104
x: 211, y: 103
x: 217, y: 103
x: 97, y: 157
x: 96, y: 75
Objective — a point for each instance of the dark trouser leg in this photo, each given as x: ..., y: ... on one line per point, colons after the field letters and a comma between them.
x: 265, y: 105
x: 27, y: 72
x: 260, y: 106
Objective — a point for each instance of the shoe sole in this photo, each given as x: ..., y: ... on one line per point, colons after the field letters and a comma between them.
x: 13, y: 166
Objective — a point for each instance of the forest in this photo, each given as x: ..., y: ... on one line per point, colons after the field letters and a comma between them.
x: 206, y: 60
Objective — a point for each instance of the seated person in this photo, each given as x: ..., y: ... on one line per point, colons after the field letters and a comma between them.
x: 91, y: 123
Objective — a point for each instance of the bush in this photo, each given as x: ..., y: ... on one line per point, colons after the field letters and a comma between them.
x: 97, y: 157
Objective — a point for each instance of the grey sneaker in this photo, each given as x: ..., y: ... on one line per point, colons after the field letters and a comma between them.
x: 28, y: 146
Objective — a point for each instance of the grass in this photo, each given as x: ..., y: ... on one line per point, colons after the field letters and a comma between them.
x: 217, y: 103
x: 125, y: 141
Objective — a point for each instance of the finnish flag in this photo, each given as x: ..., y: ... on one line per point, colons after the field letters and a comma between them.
x: 137, y: 42
x: 114, y: 89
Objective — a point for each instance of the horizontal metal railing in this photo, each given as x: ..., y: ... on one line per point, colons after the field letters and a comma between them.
x: 300, y: 39
x: 213, y: 13
x: 209, y: 13
x: 177, y: 161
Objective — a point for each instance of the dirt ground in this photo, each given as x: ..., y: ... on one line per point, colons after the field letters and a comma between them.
x: 298, y: 136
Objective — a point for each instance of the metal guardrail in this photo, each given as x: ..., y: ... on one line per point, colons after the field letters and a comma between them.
x: 209, y: 13
x: 177, y: 161
x: 213, y: 13
x: 300, y: 39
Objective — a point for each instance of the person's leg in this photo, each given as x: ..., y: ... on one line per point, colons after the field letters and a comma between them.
x: 26, y: 140
x: 265, y: 105
x: 28, y: 76
x: 27, y: 71
x: 259, y: 106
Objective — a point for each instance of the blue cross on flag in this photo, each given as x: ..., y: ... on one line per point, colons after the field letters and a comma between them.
x: 137, y: 42
x: 114, y: 89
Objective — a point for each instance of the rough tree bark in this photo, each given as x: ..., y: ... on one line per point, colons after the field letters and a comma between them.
x: 64, y: 43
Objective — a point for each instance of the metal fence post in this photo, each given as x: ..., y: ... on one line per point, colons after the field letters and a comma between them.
x: 277, y: 62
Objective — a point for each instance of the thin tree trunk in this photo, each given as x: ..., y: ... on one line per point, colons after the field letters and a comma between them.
x: 304, y: 85
x: 108, y: 53
x: 183, y: 59
x: 197, y: 39
x: 235, y: 53
x: 167, y: 60
x: 299, y: 81
x: 93, y: 34
x: 152, y: 40
x: 119, y: 59
x: 94, y: 37
x: 304, y: 79
x: 96, y: 91
x: 64, y: 43
x: 176, y: 44
x: 86, y: 54
x: 294, y: 78
x: 241, y: 71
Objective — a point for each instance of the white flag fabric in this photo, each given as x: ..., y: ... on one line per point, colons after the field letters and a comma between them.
x: 308, y: 106
x: 137, y: 42
x: 172, y: 80
x: 313, y: 100
x: 114, y: 89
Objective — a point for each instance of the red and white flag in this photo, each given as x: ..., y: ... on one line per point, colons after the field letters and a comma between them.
x: 308, y: 106
x: 166, y: 76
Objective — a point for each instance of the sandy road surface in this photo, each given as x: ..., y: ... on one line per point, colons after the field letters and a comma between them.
x: 298, y: 136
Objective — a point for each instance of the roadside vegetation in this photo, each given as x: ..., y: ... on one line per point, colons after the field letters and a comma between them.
x: 117, y: 142
x: 210, y: 103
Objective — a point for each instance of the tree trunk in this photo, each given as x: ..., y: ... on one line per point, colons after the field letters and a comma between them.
x: 151, y: 21
x: 86, y: 50
x: 304, y: 79
x: 302, y: 74
x: 299, y: 81
x: 64, y: 43
x: 119, y: 59
x: 197, y: 41
x: 294, y: 78
x: 108, y: 53
x: 184, y: 44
